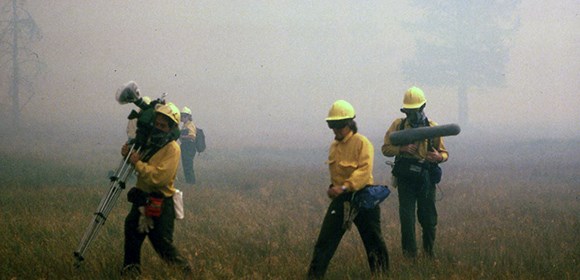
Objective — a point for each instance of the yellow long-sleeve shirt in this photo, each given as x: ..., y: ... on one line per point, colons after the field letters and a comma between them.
x: 350, y: 162
x: 391, y: 150
x: 191, y: 132
x: 158, y: 174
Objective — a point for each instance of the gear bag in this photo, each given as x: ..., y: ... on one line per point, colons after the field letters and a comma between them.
x: 199, y: 140
x: 137, y: 196
x: 435, y: 173
x: 370, y: 196
x: 154, y: 205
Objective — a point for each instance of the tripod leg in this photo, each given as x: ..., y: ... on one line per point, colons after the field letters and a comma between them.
x: 105, y: 206
x: 98, y: 220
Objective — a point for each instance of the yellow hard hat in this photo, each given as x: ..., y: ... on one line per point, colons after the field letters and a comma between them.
x: 414, y: 98
x: 169, y: 110
x: 146, y: 99
x: 340, y: 110
x: 186, y: 110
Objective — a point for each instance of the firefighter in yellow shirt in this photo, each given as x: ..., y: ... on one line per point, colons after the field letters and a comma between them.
x: 416, y: 173
x: 152, y: 213
x: 188, y: 150
x: 350, y: 163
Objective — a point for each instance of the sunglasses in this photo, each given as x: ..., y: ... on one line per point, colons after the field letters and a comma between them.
x: 336, y: 124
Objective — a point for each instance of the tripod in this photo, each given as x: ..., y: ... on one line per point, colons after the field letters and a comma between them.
x: 107, y: 202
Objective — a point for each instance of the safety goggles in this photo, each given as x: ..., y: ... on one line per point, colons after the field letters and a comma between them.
x: 337, y: 124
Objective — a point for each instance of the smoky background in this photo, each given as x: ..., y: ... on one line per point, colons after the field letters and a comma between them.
x: 263, y: 75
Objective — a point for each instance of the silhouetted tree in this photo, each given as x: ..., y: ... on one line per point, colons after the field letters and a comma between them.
x: 17, y: 31
x: 462, y: 44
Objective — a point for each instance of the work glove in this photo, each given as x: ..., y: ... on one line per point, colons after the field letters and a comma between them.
x: 145, y: 223
x: 349, y: 215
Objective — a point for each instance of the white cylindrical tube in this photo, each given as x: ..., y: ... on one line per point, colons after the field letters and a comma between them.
x: 178, y: 203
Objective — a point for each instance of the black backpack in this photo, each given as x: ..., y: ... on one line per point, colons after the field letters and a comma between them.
x: 199, y: 140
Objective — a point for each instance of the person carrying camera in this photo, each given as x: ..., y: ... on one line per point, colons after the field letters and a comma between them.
x: 152, y: 213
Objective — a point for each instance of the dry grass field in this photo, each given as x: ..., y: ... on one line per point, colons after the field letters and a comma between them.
x: 506, y: 211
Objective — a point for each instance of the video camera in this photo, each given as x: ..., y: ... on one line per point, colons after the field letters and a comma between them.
x: 130, y: 93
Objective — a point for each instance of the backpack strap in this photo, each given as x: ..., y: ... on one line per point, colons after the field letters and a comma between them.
x: 402, y: 124
x: 430, y: 145
x: 401, y: 127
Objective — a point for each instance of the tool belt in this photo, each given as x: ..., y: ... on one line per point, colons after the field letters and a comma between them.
x: 413, y: 169
x: 408, y: 168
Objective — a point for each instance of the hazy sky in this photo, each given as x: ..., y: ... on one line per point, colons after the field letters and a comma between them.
x: 266, y: 72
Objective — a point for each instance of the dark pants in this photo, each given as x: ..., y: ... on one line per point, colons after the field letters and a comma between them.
x: 161, y: 236
x: 187, y: 156
x: 417, y: 195
x: 368, y: 223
